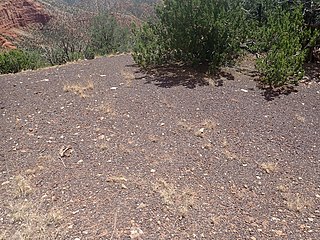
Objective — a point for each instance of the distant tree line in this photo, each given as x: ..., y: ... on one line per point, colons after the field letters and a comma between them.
x: 65, y: 39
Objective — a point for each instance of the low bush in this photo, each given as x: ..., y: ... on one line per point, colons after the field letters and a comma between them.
x: 107, y: 36
x: 281, y: 42
x: 193, y: 32
x: 17, y: 60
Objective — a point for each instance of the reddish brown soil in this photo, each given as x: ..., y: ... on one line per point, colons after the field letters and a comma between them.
x: 165, y: 153
x: 17, y: 14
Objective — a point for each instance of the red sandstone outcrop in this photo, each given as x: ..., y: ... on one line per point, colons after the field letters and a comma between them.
x: 15, y: 14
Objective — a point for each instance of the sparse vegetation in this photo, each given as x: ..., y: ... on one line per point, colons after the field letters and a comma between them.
x: 269, y: 167
x: 28, y: 219
x: 180, y: 199
x: 79, y: 89
x: 14, y: 61
x: 193, y: 32
x: 200, y: 32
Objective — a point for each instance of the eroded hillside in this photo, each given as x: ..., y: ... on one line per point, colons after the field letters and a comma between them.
x: 16, y: 15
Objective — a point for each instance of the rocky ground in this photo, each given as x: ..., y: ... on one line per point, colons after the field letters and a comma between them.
x: 101, y: 150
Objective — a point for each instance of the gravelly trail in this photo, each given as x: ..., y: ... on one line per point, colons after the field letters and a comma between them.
x: 125, y: 155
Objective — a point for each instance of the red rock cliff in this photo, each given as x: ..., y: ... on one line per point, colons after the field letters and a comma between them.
x: 15, y: 14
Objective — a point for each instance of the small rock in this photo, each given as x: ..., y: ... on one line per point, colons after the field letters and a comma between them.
x: 5, y: 183
x: 142, y: 205
x: 114, y: 88
x: 153, y: 170
x: 101, y: 137
x: 65, y: 151
x: 124, y: 186
x: 244, y: 90
x: 135, y: 233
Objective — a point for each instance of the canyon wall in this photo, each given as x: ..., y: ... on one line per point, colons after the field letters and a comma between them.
x: 18, y: 14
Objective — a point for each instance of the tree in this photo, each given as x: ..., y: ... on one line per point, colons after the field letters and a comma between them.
x: 193, y: 32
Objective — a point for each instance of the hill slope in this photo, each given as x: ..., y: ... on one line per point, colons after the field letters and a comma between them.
x: 100, y: 150
x: 16, y: 15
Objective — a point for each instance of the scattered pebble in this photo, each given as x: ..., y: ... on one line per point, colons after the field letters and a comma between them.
x: 5, y: 183
x: 135, y: 233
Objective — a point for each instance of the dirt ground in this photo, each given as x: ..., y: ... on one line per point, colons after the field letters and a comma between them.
x: 100, y: 150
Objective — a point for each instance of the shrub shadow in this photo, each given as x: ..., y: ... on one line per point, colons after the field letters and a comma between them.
x: 178, y: 75
x: 270, y: 94
x: 312, y: 72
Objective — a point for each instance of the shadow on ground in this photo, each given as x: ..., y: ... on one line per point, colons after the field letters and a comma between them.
x: 271, y: 93
x: 175, y: 75
x: 312, y: 72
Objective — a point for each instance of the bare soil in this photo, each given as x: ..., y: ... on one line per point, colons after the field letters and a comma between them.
x: 101, y: 150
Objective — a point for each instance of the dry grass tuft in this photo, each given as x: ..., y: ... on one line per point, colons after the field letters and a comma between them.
x: 20, y: 211
x: 300, y: 118
x: 199, y: 132
x: 35, y: 170
x: 269, y: 167
x: 210, y: 81
x: 29, y: 217
x: 29, y: 222
x: 154, y: 138
x: 116, y: 179
x: 296, y: 203
x: 207, y: 146
x: 166, y: 190
x: 107, y: 109
x: 217, y: 219
x: 79, y: 88
x: 226, y: 150
x: 209, y: 124
x: 183, y: 123
x: 180, y: 200
x: 21, y: 187
x: 103, y: 146
x: 282, y: 188
x: 128, y: 76
x: 54, y: 218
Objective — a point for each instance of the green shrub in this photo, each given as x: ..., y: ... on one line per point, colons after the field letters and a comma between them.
x: 107, y: 36
x: 192, y: 32
x: 16, y: 60
x: 89, y: 54
x: 281, y: 39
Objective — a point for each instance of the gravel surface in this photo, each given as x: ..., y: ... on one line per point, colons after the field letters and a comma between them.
x: 100, y: 150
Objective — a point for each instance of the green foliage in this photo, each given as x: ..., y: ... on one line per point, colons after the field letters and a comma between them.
x: 16, y: 60
x: 280, y: 40
x: 89, y: 53
x: 107, y: 36
x: 192, y: 32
